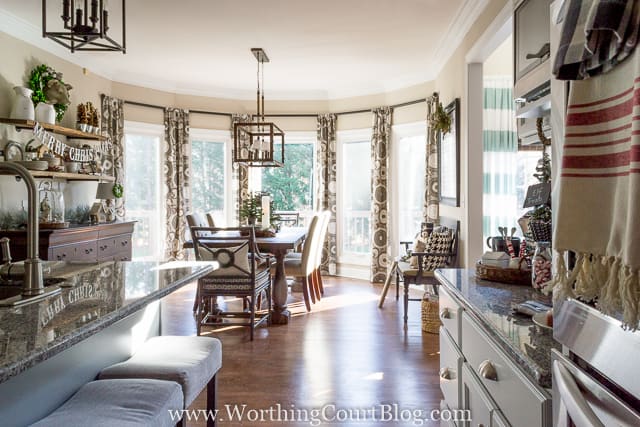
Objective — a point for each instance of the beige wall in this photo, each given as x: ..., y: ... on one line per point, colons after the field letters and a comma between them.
x: 500, y: 63
x: 451, y: 84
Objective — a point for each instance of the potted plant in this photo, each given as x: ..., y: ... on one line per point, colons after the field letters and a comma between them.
x: 251, y: 208
x: 49, y: 89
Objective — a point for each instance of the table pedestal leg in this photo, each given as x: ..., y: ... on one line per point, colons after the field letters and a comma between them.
x: 280, y: 315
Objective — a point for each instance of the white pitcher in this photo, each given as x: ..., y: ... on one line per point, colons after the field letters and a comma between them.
x: 45, y: 113
x: 22, y: 108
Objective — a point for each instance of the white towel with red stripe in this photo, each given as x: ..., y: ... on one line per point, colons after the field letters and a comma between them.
x: 599, y: 198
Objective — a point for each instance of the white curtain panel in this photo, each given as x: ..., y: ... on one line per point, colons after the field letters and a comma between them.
x: 500, y: 148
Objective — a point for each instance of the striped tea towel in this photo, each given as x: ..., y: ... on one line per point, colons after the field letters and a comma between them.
x: 599, y: 197
x: 596, y: 35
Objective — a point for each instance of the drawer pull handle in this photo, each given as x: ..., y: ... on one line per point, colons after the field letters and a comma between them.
x: 488, y: 371
x: 445, y: 374
x: 445, y: 313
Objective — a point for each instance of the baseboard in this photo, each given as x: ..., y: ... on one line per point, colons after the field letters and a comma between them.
x: 353, y: 271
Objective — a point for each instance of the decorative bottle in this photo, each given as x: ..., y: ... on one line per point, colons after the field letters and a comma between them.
x: 541, y: 265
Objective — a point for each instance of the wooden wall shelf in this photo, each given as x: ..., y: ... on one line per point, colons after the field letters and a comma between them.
x: 72, y: 176
x: 68, y: 132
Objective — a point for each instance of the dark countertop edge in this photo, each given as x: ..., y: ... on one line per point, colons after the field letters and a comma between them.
x: 540, y: 377
x: 86, y: 331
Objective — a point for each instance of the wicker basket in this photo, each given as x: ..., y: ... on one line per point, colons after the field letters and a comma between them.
x: 514, y: 276
x: 430, y: 314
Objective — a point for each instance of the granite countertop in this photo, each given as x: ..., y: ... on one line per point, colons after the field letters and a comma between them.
x: 93, y: 297
x: 490, y: 304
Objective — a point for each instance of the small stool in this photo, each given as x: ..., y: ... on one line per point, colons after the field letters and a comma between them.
x: 192, y: 362
x: 119, y: 403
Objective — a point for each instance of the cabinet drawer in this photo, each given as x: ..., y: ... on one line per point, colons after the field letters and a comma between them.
x: 476, y: 399
x: 450, y: 313
x: 521, y: 402
x: 450, y: 367
x: 62, y: 253
x: 86, y: 251
x: 498, y: 420
x: 444, y: 408
x: 106, y: 248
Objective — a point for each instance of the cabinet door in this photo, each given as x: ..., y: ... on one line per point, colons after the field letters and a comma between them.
x: 450, y: 313
x: 498, y: 420
x: 476, y: 399
x: 450, y: 365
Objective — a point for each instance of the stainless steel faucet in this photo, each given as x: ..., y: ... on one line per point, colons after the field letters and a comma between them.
x: 33, y: 282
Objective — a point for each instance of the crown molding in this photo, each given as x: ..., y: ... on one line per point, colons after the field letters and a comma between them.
x: 466, y: 16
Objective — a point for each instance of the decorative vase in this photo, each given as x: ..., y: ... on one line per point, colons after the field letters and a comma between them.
x: 22, y: 108
x: 45, y: 113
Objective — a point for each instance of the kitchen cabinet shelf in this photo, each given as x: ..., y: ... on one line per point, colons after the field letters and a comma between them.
x: 68, y: 132
x: 72, y: 176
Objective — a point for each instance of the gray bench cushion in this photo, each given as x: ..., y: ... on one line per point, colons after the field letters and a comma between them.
x: 119, y: 403
x: 189, y: 361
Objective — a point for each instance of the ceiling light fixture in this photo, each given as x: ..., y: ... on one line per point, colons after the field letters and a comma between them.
x: 86, y: 24
x: 254, y: 142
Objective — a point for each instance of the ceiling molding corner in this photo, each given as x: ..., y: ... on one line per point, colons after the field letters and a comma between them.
x: 466, y: 16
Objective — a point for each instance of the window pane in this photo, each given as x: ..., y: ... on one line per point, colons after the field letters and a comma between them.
x: 208, y: 178
x: 142, y: 175
x: 411, y: 182
x: 291, y: 185
x: 356, y: 202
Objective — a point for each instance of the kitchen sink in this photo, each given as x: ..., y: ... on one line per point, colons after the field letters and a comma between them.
x: 11, y: 294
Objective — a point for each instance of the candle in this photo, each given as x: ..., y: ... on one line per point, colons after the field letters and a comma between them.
x: 266, y: 212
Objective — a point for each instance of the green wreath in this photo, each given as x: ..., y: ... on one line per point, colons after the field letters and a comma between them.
x: 118, y: 190
x: 38, y: 80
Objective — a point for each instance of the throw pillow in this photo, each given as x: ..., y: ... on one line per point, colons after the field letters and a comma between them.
x: 439, y: 242
x: 419, y: 245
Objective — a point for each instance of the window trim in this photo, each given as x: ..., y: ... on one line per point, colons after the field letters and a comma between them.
x: 221, y: 136
x: 154, y: 130
x: 345, y: 137
x: 398, y: 132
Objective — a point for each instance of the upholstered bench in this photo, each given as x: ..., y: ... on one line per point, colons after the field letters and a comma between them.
x: 120, y: 403
x: 192, y: 362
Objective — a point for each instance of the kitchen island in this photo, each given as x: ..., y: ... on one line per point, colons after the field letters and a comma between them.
x: 50, y: 348
x: 495, y: 362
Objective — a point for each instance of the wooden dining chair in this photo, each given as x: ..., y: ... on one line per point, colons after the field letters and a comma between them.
x: 316, y: 276
x: 243, y: 272
x: 302, y: 266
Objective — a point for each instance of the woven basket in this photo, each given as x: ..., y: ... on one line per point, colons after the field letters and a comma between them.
x: 430, y: 314
x: 540, y: 230
x: 514, y: 276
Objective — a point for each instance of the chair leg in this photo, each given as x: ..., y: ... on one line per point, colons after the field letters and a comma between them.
x: 305, y: 293
x: 310, y: 291
x: 181, y: 423
x: 196, y: 301
x: 406, y: 301
x: 397, y: 285
x: 252, y: 315
x: 211, y: 400
x: 269, y: 305
x: 321, y: 285
x: 314, y: 286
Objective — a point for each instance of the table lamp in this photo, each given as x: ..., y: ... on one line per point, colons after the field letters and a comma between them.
x: 105, y: 192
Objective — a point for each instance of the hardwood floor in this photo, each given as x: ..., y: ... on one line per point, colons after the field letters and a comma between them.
x: 346, y: 352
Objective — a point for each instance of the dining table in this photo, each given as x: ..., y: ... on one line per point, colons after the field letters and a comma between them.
x: 285, y: 240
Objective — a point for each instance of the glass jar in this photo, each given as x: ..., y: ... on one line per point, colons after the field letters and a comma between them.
x: 541, y: 265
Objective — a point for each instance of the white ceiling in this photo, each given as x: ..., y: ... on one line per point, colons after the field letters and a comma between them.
x: 323, y: 49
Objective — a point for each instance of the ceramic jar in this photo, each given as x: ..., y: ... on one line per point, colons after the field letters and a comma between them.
x: 45, y: 113
x: 22, y: 108
x: 541, y: 265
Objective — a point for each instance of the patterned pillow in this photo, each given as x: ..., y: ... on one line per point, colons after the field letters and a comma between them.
x: 419, y: 245
x: 439, y: 242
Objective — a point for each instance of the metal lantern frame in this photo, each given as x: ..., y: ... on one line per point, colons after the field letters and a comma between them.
x: 254, y: 141
x: 85, y: 28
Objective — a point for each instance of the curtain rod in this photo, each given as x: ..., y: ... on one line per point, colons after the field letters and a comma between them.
x: 218, y: 113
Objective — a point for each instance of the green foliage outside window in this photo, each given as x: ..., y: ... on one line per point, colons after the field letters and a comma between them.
x: 207, y: 176
x: 291, y: 186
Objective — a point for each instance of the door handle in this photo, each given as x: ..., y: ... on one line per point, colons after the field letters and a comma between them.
x: 576, y: 406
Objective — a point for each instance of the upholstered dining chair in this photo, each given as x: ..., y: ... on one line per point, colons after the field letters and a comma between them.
x: 243, y: 272
x: 302, y: 266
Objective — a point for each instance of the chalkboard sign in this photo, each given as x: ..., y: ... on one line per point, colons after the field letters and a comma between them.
x: 537, y: 194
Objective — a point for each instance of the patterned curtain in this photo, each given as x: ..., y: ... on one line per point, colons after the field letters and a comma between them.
x: 500, y: 147
x: 112, y: 122
x: 240, y: 172
x: 380, y: 149
x: 177, y: 154
x: 326, y: 178
x: 432, y: 192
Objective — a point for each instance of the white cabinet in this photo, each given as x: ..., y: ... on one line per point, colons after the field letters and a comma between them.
x: 477, y: 374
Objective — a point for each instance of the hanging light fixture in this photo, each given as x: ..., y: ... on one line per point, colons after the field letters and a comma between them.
x: 254, y: 142
x: 85, y: 26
